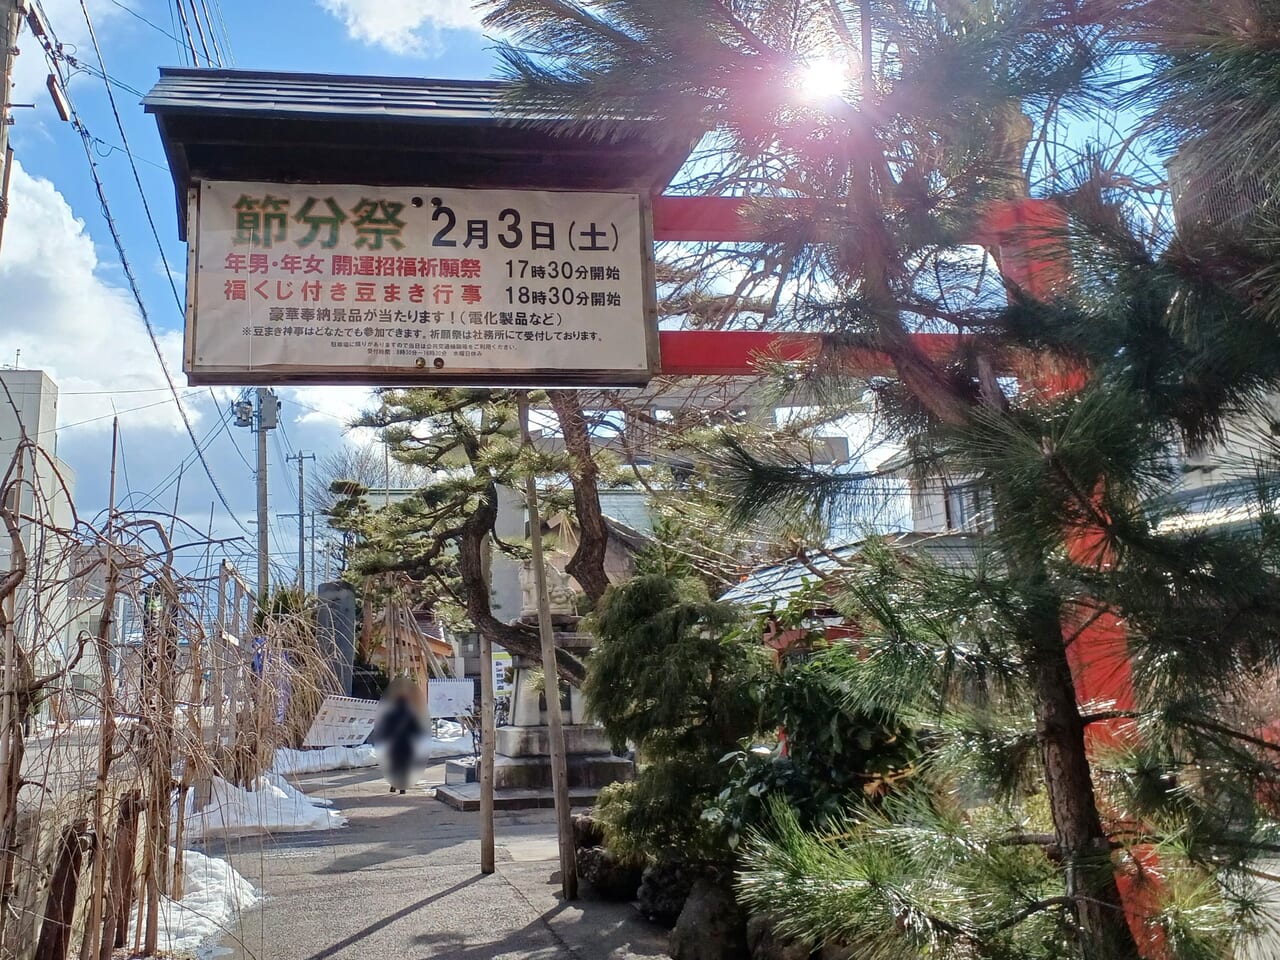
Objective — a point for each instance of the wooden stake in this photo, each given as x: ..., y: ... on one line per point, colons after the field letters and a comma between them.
x: 55, y: 931
x: 115, y: 926
x: 11, y: 742
x: 107, y: 728
x: 487, y: 735
x: 551, y: 675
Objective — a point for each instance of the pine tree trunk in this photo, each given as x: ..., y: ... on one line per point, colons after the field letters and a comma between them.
x: 471, y: 570
x: 587, y: 563
x: 1084, y: 845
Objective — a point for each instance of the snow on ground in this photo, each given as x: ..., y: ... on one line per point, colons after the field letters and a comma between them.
x: 273, y: 806
x: 297, y: 762
x: 450, y: 740
x: 213, y: 895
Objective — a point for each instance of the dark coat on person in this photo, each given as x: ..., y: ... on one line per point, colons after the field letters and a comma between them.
x: 396, y: 732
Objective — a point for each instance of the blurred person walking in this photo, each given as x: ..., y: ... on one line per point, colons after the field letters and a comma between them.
x: 398, y: 729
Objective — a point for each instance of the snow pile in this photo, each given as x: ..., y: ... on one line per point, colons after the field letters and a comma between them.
x: 273, y: 806
x: 450, y: 740
x: 294, y: 763
x: 213, y: 896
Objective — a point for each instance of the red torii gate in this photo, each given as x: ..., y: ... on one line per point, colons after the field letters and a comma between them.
x: 1024, y: 234
x: 1023, y: 231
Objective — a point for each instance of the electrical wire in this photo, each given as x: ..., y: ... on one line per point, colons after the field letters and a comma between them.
x: 186, y: 463
x: 186, y: 29
x: 124, y: 261
x: 323, y: 413
x: 108, y: 416
x: 226, y: 35
x: 114, y: 393
x: 150, y: 23
x: 213, y: 36
x: 288, y: 478
x: 117, y: 240
x: 195, y: 16
x: 225, y: 428
x: 182, y: 48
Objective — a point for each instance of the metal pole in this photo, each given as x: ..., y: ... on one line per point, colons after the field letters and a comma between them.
x: 302, y: 530
x: 302, y: 525
x: 4, y: 192
x: 264, y: 586
x: 314, y: 582
x: 551, y: 676
x: 11, y: 19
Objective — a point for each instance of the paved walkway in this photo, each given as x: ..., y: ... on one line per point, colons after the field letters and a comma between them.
x: 402, y: 880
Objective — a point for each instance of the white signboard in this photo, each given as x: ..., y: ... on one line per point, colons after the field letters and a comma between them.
x: 450, y: 698
x: 342, y: 722
x: 387, y: 285
x: 501, y: 672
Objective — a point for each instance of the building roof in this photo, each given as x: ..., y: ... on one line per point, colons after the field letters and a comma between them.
x: 1228, y: 506
x: 778, y: 583
x: 256, y: 125
x: 268, y: 93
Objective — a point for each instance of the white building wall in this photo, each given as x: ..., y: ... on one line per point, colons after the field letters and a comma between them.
x: 29, y: 402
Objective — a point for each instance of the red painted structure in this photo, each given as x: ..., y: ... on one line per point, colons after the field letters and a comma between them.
x: 1026, y: 238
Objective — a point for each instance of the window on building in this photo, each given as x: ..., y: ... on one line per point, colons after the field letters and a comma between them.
x: 968, y: 508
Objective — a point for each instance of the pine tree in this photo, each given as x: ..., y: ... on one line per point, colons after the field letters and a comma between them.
x: 439, y: 540
x: 1019, y: 850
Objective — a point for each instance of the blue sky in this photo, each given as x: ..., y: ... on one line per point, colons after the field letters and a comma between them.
x: 64, y: 301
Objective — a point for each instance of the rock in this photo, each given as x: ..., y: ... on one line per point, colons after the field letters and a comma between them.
x: 664, y: 887
x: 609, y: 877
x: 587, y: 831
x: 710, y: 927
x: 765, y: 943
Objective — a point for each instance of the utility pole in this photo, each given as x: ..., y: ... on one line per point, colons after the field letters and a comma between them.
x: 302, y: 520
x: 265, y: 417
x: 10, y: 23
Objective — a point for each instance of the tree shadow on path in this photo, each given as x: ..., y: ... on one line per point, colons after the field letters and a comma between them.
x: 386, y: 921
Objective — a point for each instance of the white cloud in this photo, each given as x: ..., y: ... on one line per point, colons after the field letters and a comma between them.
x: 328, y: 406
x: 72, y: 322
x: 66, y: 20
x: 408, y: 27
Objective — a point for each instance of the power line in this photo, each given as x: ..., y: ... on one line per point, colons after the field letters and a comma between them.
x: 226, y: 35
x: 195, y: 16
x: 284, y: 453
x: 118, y: 242
x: 323, y: 413
x: 103, y: 393
x: 225, y: 428
x: 173, y: 23
x: 186, y: 29
x: 213, y: 37
x: 115, y: 413
x: 189, y: 460
x: 155, y: 233
x: 150, y: 23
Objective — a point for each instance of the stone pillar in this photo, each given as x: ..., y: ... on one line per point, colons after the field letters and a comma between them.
x: 336, y: 630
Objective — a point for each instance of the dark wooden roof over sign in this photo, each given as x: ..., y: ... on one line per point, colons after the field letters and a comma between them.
x: 395, y: 131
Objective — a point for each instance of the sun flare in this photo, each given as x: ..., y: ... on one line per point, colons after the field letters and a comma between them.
x: 820, y: 79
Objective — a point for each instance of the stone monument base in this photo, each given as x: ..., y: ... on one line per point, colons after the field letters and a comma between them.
x: 522, y: 770
x: 522, y: 765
